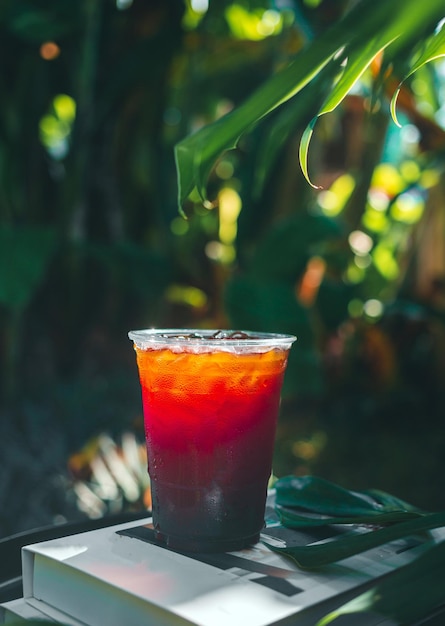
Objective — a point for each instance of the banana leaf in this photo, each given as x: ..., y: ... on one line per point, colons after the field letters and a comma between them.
x: 294, y: 519
x: 314, y: 501
x: 319, y: 554
x: 411, y: 592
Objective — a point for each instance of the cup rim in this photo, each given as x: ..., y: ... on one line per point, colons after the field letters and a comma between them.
x: 183, y: 337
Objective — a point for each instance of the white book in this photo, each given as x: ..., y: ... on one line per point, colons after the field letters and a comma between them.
x: 20, y: 611
x: 119, y: 576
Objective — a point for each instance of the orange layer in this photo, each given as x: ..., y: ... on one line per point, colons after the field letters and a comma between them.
x: 198, y: 372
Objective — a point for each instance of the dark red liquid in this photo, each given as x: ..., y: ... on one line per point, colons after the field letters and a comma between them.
x: 210, y: 423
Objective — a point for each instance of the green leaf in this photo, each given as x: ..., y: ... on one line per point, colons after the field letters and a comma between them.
x: 433, y: 49
x: 321, y: 496
x: 409, y: 594
x: 391, y: 502
x: 304, y: 150
x: 379, y: 22
x: 302, y: 519
x: 287, y: 120
x: 320, y: 554
x: 357, y: 63
x: 311, y: 494
x: 196, y: 155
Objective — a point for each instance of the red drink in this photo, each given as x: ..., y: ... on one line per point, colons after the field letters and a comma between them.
x: 210, y: 408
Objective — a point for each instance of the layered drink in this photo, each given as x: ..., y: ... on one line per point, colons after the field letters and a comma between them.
x: 210, y: 403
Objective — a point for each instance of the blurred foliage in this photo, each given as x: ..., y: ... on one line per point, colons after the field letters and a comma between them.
x: 393, y: 40
x: 96, y: 94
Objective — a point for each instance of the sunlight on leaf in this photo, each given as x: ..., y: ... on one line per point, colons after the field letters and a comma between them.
x: 357, y: 63
x: 362, y: 603
x: 333, y: 200
x: 360, y: 35
x: 253, y: 25
x: 375, y: 221
x: 56, y: 126
x: 387, y: 178
x: 434, y: 49
x: 197, y: 154
x: 408, y: 207
x: 407, y: 596
x: 429, y: 178
x: 304, y: 149
x: 287, y: 122
x: 385, y: 262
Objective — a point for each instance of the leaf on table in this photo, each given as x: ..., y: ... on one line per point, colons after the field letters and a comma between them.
x: 408, y: 595
x: 307, y: 495
x: 298, y: 519
x: 319, y: 554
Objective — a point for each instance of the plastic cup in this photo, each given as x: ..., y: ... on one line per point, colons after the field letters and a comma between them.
x: 211, y: 401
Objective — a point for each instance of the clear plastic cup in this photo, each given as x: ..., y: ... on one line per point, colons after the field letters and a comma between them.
x: 211, y: 401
